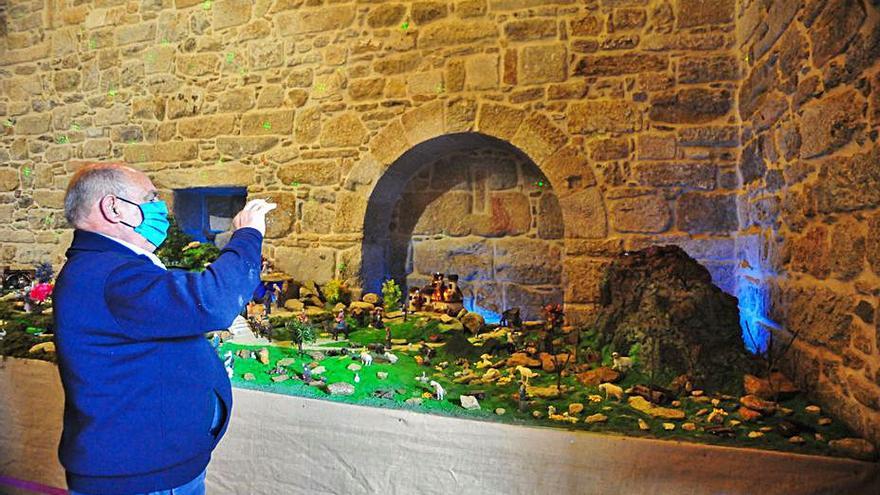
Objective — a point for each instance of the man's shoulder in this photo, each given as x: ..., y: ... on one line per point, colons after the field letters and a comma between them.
x: 100, y: 262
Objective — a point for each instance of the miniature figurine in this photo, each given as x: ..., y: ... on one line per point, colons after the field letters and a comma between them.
x: 390, y: 357
x: 341, y: 325
x: 229, y: 364
x: 611, y: 390
x: 215, y: 342
x: 423, y: 378
x: 376, y: 318
x: 439, y: 392
x: 621, y: 363
x: 388, y: 337
x: 302, y: 317
x: 357, y: 378
x: 366, y: 358
x: 523, y: 402
x: 265, y: 265
x: 525, y: 374
x: 307, y: 373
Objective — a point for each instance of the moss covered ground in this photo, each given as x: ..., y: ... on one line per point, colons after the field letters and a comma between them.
x: 402, y: 384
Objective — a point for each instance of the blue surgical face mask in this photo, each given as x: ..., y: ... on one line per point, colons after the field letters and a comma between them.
x: 154, y: 228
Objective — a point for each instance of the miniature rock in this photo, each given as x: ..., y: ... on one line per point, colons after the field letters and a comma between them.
x: 381, y: 375
x: 537, y: 414
x: 522, y: 359
x: 249, y: 377
x: 339, y: 307
x: 317, y: 355
x: 362, y: 306
x: 640, y: 404
x: 280, y: 378
x: 766, y: 429
x: 783, y: 411
x: 668, y: 426
x: 702, y: 412
x: 371, y: 298
x: 675, y: 403
x: 398, y: 341
x: 734, y: 422
x: 294, y: 305
x: 599, y: 375
x: 286, y: 361
x: 444, y: 318
x: 500, y: 411
x: 316, y: 383
x: 757, y: 404
x: 318, y: 370
x: 856, y: 448
x: 766, y: 388
x: 596, y: 418
x: 688, y: 427
x: 824, y: 421
x: 263, y: 355
x: 548, y: 392
x: 353, y: 367
x: 414, y: 401
x: 340, y: 388
x: 755, y: 434
x: 548, y: 361
x: 594, y: 398
x: 469, y: 402
x: 696, y: 393
x: 473, y: 322
x: 575, y: 408
x: 643, y: 425
x: 797, y: 439
x: 819, y: 437
x: 43, y: 346
x: 714, y: 402
x: 813, y: 409
x: 748, y: 414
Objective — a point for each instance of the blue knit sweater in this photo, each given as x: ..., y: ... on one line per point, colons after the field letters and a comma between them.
x: 139, y: 377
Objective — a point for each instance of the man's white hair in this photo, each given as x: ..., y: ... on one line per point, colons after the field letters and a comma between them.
x: 91, y: 183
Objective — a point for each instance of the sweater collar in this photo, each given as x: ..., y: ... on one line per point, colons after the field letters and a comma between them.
x: 84, y: 240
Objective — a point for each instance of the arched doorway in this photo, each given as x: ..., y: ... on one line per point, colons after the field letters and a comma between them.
x: 471, y: 205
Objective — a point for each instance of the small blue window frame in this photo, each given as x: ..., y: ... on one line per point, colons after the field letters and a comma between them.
x: 194, y: 218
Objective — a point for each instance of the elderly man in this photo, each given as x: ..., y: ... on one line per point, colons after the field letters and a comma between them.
x: 147, y: 399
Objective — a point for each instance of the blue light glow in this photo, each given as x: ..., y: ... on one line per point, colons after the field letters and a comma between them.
x: 488, y: 315
x: 753, y: 302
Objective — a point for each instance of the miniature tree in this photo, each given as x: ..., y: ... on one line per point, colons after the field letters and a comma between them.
x: 391, y: 295
x: 333, y: 291
x: 300, y: 333
x: 553, y: 316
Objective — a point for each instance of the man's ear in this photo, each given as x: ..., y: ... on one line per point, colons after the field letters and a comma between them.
x: 110, y: 209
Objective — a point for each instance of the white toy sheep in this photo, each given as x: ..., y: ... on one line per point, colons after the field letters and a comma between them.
x: 439, y: 392
x: 367, y: 358
x: 390, y: 357
x: 621, y: 363
x: 611, y: 390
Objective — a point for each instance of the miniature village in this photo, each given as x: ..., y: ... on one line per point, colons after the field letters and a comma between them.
x: 423, y: 350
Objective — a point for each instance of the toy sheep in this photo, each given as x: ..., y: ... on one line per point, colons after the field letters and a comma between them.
x: 422, y: 378
x: 525, y: 374
x: 367, y: 358
x: 439, y: 392
x: 357, y: 378
x: 621, y: 363
x: 229, y: 363
x: 390, y: 357
x: 611, y: 390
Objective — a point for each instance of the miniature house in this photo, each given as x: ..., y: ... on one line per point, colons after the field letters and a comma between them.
x: 519, y: 144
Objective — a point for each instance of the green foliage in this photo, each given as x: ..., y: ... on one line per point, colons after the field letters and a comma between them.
x: 300, y: 333
x: 333, y: 291
x: 635, y: 353
x: 173, y: 255
x: 391, y: 295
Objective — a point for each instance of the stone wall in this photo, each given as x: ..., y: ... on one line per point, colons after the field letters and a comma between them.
x: 489, y: 216
x: 626, y: 106
x: 809, y: 218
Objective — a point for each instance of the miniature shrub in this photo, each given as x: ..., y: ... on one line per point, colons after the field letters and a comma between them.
x: 333, y: 291
x: 391, y: 295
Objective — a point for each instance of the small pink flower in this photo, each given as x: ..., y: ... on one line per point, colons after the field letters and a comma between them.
x: 40, y: 292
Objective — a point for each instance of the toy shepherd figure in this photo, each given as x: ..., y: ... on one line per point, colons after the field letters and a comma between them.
x: 341, y: 326
x: 302, y: 317
x: 229, y: 363
x: 376, y: 320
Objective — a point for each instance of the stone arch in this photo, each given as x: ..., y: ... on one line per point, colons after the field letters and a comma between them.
x: 441, y: 123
